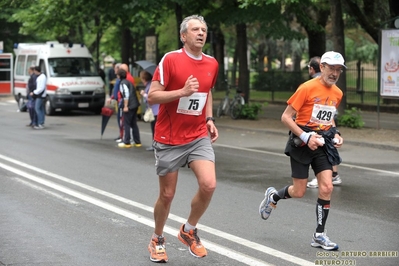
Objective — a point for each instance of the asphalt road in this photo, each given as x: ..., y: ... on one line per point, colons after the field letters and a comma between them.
x: 68, y: 197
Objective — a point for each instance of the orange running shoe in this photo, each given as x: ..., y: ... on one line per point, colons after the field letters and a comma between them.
x: 193, y: 242
x: 157, y: 250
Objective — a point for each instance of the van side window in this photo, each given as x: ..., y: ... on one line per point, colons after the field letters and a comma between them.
x: 30, y: 61
x: 20, y: 65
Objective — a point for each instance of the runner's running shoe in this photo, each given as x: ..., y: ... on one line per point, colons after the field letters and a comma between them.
x: 157, y: 250
x: 267, y: 205
x: 193, y: 242
x: 313, y: 184
x: 323, y: 241
x: 336, y: 180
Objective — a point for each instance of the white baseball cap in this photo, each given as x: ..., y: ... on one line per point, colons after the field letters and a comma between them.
x: 332, y: 58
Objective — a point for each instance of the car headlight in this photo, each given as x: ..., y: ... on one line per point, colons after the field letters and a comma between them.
x: 98, y: 91
x: 63, y: 91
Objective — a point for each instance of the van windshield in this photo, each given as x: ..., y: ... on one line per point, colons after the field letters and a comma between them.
x: 72, y: 67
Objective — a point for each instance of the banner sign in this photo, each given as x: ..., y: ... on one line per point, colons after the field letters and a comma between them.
x: 389, y: 68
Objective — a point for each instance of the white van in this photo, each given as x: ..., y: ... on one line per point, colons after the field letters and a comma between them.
x: 72, y: 78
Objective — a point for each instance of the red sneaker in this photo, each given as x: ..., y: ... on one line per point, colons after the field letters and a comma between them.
x: 192, y: 240
x: 157, y: 250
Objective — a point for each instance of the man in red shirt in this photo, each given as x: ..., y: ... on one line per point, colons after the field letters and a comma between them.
x: 129, y: 76
x: 184, y: 132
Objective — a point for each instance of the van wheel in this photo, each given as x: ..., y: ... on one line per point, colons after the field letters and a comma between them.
x: 49, y: 109
x: 21, y: 104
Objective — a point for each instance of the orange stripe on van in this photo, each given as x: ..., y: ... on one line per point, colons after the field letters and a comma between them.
x: 5, y: 87
x: 23, y: 85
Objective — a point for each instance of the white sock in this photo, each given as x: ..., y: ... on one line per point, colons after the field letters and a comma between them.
x: 188, y: 227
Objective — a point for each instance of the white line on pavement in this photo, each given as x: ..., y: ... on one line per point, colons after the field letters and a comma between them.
x: 248, y: 260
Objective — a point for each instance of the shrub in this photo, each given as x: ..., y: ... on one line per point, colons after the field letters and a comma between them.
x: 250, y: 111
x: 351, y: 118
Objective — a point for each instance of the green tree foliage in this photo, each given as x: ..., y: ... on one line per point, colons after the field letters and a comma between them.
x: 372, y: 15
x: 274, y: 29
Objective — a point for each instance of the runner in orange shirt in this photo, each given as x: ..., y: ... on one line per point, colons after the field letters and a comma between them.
x: 313, y: 142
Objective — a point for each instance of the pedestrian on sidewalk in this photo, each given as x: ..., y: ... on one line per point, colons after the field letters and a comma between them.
x: 31, y: 86
x: 130, y: 106
x: 314, y: 71
x: 313, y: 143
x: 146, y: 77
x: 184, y: 134
x: 117, y: 97
x: 40, y: 94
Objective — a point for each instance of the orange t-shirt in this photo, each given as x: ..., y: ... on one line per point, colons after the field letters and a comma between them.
x: 315, y: 104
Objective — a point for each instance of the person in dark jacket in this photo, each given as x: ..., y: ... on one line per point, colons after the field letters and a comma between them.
x: 111, y: 77
x: 130, y: 106
x: 31, y: 101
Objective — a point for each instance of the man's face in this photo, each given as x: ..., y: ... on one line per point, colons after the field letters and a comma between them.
x: 195, y: 36
x: 330, y: 73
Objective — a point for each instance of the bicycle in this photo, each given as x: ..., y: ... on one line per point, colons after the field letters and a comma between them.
x: 232, y: 107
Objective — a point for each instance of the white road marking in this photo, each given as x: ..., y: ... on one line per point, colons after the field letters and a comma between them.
x: 56, y: 195
x: 248, y: 260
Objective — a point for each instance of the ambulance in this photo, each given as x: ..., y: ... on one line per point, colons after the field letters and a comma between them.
x: 73, y: 81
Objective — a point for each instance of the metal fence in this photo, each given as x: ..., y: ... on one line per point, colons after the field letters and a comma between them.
x: 362, y: 86
x: 361, y: 89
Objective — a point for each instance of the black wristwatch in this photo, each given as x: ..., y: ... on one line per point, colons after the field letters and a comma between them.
x: 210, y: 118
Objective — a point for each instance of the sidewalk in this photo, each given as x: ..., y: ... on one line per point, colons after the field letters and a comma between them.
x: 269, y: 121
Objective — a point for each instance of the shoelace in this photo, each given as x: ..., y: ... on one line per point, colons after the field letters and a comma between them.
x: 161, y: 241
x: 325, y: 238
x: 194, y: 234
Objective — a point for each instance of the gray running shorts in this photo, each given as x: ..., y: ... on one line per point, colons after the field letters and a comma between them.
x: 169, y: 158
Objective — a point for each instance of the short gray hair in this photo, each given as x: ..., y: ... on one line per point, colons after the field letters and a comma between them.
x: 184, y: 23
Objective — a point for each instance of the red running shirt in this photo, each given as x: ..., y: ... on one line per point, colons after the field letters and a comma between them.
x: 183, y: 120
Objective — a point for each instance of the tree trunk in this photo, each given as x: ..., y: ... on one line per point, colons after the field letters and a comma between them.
x: 296, y: 62
x: 317, y: 43
x: 394, y: 8
x: 179, y: 19
x: 218, y: 48
x: 97, y: 24
x: 339, y: 44
x: 316, y: 31
x: 126, y: 46
x: 243, y: 79
x: 233, y: 80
